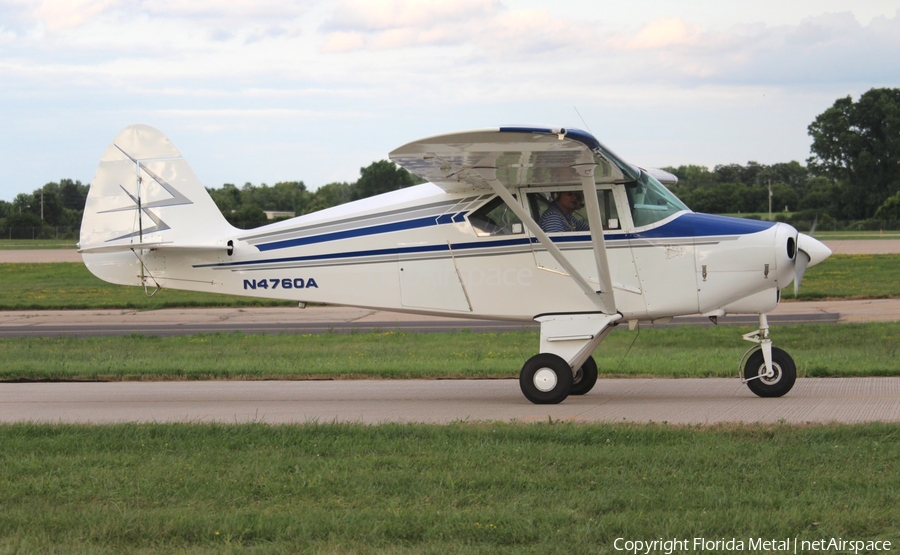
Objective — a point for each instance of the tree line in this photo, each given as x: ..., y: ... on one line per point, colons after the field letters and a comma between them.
x: 852, y: 175
x: 56, y: 206
x: 245, y: 207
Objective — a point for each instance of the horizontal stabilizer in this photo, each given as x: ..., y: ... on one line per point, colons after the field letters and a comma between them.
x: 125, y: 247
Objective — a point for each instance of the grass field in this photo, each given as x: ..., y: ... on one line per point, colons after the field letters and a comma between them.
x: 71, y: 286
x: 856, y: 276
x: 823, y: 235
x: 461, y: 488
x: 819, y: 350
x: 30, y: 244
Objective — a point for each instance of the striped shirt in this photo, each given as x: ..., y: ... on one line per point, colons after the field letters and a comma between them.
x: 554, y: 220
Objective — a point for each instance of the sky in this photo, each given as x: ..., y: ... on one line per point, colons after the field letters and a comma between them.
x: 264, y: 91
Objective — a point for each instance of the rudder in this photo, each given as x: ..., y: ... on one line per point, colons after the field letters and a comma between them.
x: 143, y: 195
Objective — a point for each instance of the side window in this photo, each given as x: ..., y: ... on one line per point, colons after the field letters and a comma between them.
x: 495, y: 218
x: 564, y: 211
x: 609, y: 215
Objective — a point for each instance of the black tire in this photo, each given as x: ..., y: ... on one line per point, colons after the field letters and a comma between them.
x: 780, y: 383
x: 585, y: 377
x: 546, y: 379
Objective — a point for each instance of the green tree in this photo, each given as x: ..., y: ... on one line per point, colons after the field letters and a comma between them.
x: 73, y: 194
x: 24, y: 225
x: 821, y: 195
x: 228, y: 198
x: 247, y: 217
x: 791, y: 173
x: 48, y: 205
x: 729, y: 173
x: 691, y: 177
x: 784, y: 196
x: 329, y: 195
x: 857, y: 144
x: 380, y: 177
x: 290, y: 196
x: 890, y: 209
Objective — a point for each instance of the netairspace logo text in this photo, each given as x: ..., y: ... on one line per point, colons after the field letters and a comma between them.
x: 769, y: 545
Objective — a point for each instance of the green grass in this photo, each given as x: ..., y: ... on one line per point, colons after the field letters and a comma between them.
x: 820, y: 350
x: 823, y: 235
x: 30, y: 244
x: 461, y: 488
x: 852, y: 276
x: 69, y: 285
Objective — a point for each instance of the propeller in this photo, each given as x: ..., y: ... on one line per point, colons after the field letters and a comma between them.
x: 799, y: 269
x: 810, y: 252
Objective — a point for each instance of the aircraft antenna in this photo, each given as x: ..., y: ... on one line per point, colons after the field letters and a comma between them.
x: 586, y: 126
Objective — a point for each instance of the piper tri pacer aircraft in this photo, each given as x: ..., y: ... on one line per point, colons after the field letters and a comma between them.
x: 467, y: 244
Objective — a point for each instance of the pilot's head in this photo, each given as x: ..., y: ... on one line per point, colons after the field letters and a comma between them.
x: 568, y: 201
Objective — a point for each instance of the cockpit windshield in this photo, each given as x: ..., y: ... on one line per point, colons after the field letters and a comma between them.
x: 650, y: 201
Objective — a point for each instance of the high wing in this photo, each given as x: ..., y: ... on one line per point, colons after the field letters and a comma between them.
x: 523, y: 156
x: 508, y: 159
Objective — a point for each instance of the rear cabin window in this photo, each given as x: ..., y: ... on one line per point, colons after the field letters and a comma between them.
x: 495, y: 218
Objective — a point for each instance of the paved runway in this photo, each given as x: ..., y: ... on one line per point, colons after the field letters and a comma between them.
x: 676, y: 401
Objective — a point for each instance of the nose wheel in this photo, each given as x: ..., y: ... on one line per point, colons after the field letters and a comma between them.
x: 769, y: 371
x: 770, y: 384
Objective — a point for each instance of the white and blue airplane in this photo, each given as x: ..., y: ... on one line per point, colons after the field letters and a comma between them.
x: 469, y: 243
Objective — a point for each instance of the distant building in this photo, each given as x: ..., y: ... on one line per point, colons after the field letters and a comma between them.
x: 275, y: 214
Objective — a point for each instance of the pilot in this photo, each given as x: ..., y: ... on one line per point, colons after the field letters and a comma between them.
x: 560, y: 216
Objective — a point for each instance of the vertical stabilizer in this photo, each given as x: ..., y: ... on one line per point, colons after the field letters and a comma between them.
x: 144, y: 195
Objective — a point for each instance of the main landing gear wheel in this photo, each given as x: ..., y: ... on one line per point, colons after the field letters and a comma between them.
x: 546, y: 379
x: 783, y: 367
x: 585, y: 377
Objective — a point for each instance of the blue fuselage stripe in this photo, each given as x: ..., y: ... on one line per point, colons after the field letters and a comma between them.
x: 686, y: 226
x: 359, y: 232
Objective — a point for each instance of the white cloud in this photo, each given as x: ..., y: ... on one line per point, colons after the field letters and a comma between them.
x: 381, y: 71
x: 663, y: 33
x: 383, y: 15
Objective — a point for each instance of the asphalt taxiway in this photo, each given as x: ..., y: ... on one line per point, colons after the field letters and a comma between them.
x: 674, y: 401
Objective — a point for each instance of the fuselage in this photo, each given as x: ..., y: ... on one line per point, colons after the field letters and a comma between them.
x: 471, y: 245
x: 518, y: 223
x: 425, y: 250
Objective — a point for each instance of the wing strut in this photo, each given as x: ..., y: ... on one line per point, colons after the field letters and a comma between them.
x: 589, y: 190
x: 603, y: 299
